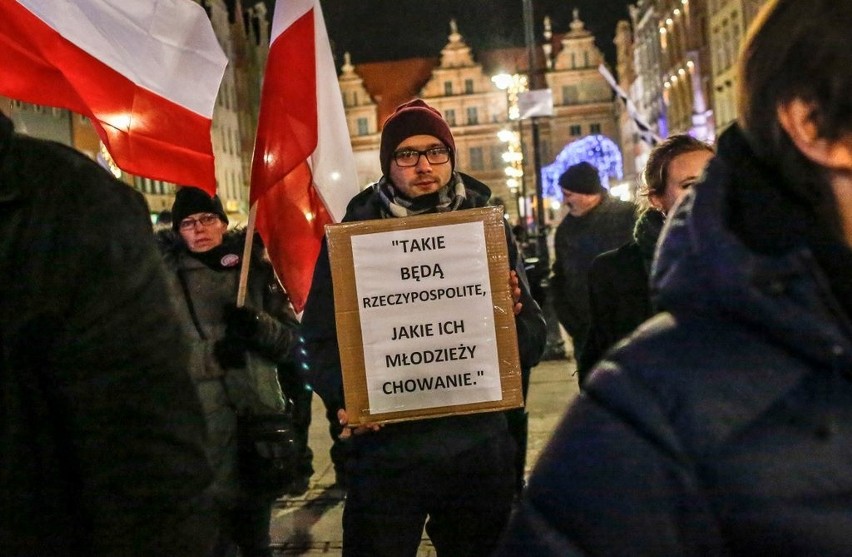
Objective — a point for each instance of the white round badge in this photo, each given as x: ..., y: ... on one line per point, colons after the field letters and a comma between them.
x: 230, y: 260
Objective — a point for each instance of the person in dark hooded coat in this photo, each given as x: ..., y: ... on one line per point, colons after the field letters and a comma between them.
x: 724, y: 426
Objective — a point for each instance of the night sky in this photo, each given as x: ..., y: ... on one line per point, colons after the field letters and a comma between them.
x: 379, y: 30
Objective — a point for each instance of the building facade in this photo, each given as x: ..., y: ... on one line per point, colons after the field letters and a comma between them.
x: 633, y: 148
x: 474, y: 108
x: 727, y: 23
x: 646, y: 89
x: 242, y: 34
x: 685, y: 63
x: 582, y: 99
x: 462, y: 89
x: 362, y: 120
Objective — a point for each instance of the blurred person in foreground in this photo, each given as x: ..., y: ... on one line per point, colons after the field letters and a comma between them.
x: 454, y: 474
x: 619, y: 299
x: 101, y: 434
x: 234, y: 351
x: 596, y: 222
x: 724, y: 426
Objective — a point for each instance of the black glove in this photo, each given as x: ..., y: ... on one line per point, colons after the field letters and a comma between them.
x: 259, y: 331
x: 230, y: 352
x: 241, y: 322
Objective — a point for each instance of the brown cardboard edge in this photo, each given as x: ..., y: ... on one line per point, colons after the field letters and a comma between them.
x: 350, y: 340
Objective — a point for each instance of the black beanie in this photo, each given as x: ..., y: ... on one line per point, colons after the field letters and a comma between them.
x: 583, y: 177
x: 190, y: 200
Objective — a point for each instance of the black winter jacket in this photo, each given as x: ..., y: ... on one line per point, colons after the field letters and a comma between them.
x: 577, y: 241
x: 724, y: 426
x: 100, y: 429
x: 227, y: 393
x: 421, y: 438
x: 619, y: 296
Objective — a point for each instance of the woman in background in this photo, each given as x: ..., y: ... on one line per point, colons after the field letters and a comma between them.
x: 619, y: 300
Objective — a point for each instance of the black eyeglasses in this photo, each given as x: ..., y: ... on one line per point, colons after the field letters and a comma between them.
x: 410, y: 157
x: 205, y: 220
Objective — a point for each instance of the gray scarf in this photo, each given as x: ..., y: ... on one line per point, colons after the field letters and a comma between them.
x: 448, y: 198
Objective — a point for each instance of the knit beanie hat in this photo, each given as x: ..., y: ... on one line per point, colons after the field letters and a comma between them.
x: 190, y: 200
x: 413, y: 118
x: 583, y: 177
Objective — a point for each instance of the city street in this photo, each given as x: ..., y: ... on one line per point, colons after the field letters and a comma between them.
x: 310, y: 524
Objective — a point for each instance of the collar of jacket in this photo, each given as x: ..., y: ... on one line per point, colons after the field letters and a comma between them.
x: 647, y: 231
x: 608, y: 204
x: 173, y: 247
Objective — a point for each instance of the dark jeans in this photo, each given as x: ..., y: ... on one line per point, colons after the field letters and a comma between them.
x: 245, y: 526
x: 518, y: 422
x: 464, y: 500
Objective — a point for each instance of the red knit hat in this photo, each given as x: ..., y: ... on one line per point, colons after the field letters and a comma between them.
x: 413, y: 118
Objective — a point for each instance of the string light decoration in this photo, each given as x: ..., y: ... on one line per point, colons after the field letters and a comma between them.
x: 514, y: 159
x: 513, y: 84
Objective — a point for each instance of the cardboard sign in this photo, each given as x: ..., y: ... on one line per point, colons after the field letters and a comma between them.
x: 424, y: 316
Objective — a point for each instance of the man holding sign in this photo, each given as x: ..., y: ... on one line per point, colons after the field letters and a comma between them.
x: 456, y: 471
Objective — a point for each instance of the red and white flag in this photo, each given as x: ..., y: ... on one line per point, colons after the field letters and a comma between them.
x: 303, y: 172
x: 145, y: 73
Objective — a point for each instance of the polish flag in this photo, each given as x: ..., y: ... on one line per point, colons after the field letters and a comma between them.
x: 145, y: 73
x: 303, y: 172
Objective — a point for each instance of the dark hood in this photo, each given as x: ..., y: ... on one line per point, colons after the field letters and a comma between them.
x: 740, y: 248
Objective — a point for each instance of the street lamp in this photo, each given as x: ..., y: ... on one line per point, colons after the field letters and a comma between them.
x: 514, y: 85
x: 536, y: 83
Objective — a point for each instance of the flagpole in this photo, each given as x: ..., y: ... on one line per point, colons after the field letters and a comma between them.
x: 244, y: 268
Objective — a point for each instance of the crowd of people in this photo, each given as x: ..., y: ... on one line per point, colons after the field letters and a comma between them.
x: 148, y: 383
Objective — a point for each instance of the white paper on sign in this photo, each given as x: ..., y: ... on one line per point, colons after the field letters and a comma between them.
x: 427, y: 319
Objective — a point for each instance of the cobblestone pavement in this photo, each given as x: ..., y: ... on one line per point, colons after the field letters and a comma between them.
x: 310, y: 524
